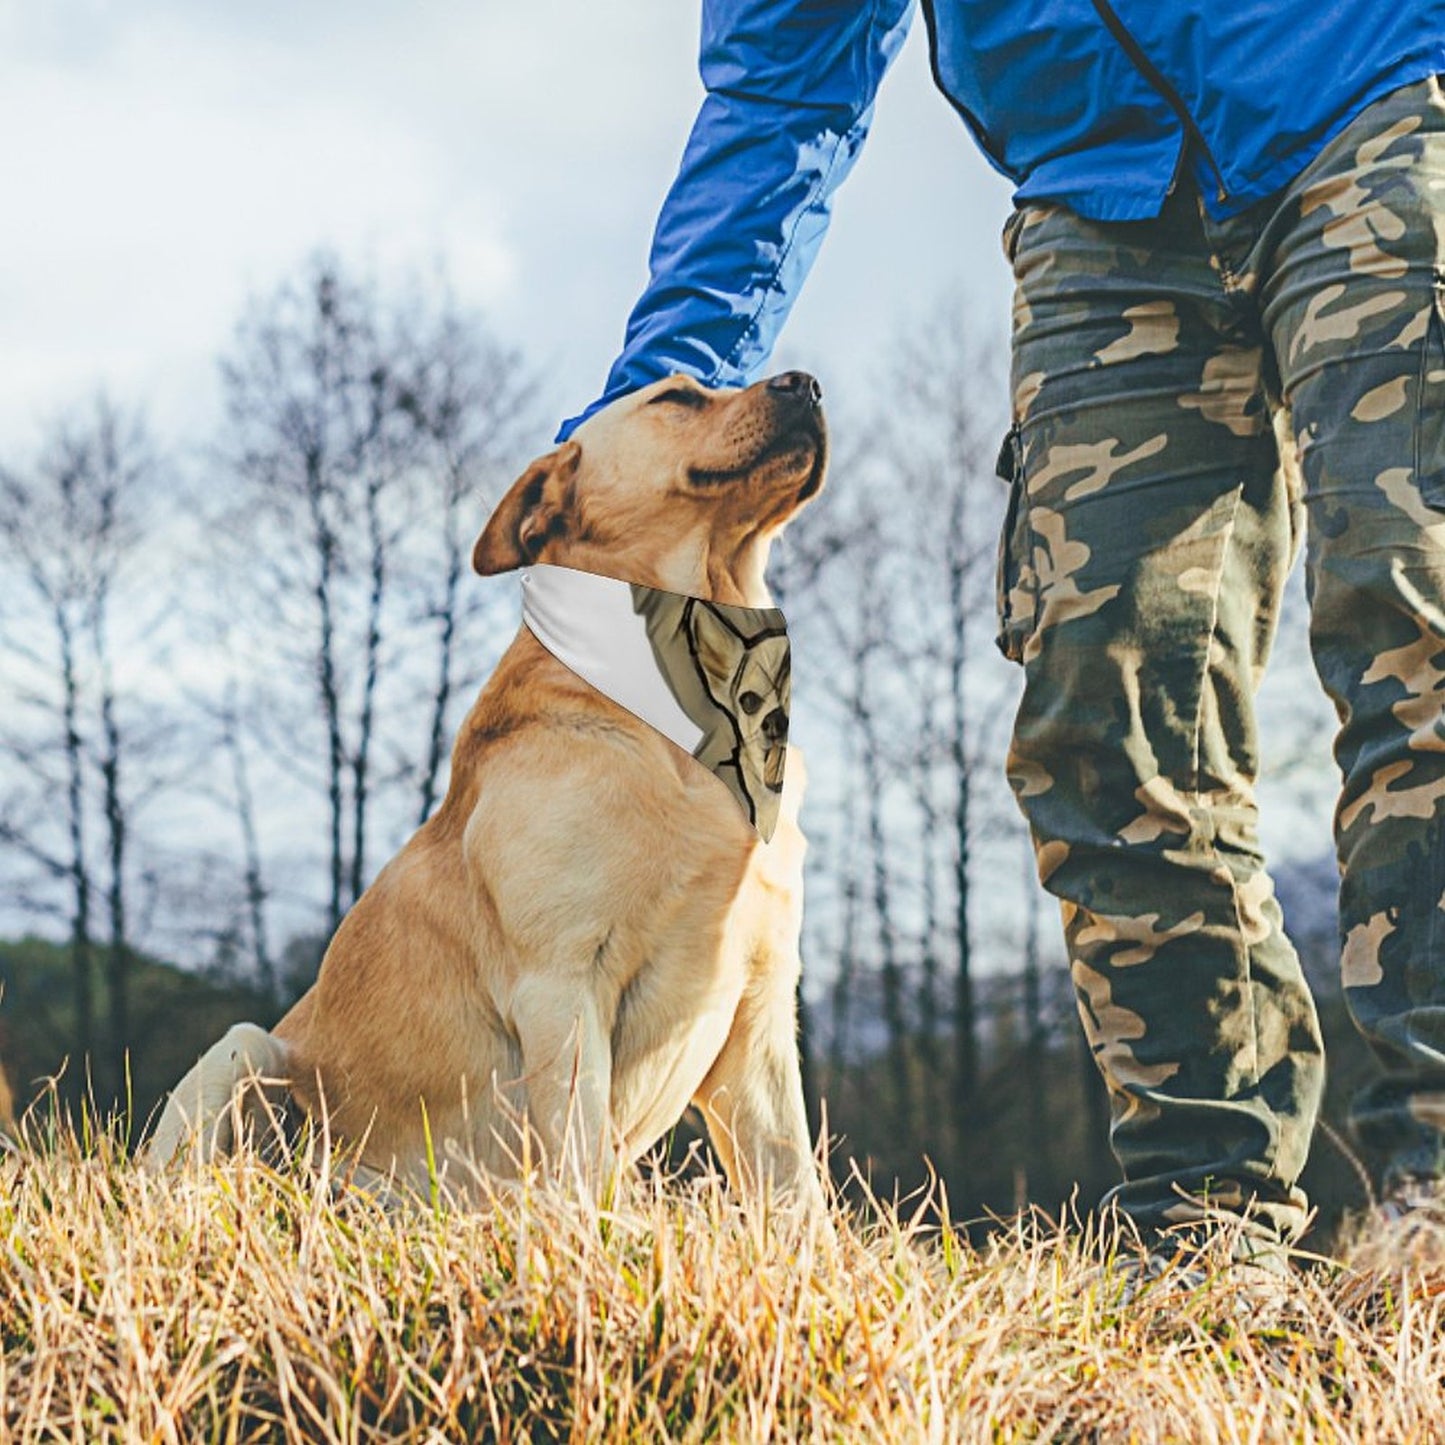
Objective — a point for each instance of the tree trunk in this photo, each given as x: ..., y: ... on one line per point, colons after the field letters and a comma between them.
x: 441, y: 699
x: 118, y: 957
x: 842, y: 992
x: 79, y: 869
x: 928, y: 974
x: 965, y: 1027
x: 255, y: 883
x: 325, y: 543
x: 361, y: 761
x: 894, y: 1008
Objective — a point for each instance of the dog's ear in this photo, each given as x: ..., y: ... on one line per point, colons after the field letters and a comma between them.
x: 719, y: 649
x: 534, y: 512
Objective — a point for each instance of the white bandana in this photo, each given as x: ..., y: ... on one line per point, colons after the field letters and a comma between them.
x: 713, y: 677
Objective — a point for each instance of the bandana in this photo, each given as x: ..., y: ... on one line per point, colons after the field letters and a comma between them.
x: 713, y: 677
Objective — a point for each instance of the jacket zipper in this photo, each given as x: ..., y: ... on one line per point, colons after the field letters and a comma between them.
x: 1155, y: 77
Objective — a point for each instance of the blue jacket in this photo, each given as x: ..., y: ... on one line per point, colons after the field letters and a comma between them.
x: 1094, y: 103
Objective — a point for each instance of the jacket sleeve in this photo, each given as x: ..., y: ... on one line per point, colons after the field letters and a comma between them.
x: 790, y: 89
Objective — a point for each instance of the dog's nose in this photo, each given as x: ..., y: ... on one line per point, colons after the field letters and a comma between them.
x: 798, y: 384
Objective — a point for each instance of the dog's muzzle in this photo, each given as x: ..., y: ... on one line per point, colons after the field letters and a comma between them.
x: 797, y: 386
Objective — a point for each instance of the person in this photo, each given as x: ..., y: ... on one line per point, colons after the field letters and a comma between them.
x: 1226, y: 217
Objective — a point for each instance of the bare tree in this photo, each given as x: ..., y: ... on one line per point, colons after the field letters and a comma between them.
x: 256, y: 892
x: 367, y: 432
x: 846, y: 964
x: 70, y: 526
x: 903, y: 615
x: 873, y: 780
x: 472, y: 401
x: 941, y: 439
x: 118, y: 461
x: 931, y: 932
x: 309, y: 396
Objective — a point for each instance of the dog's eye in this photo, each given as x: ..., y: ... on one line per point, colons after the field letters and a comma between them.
x: 750, y: 702
x: 680, y: 396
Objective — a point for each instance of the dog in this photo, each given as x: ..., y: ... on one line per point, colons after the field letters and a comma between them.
x: 589, y: 934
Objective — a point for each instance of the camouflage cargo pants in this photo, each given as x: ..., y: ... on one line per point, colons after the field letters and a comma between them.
x: 1150, y: 533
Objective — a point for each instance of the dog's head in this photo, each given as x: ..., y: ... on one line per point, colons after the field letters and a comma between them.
x: 675, y: 486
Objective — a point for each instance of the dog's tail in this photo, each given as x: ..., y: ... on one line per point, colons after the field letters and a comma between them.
x: 238, y: 1085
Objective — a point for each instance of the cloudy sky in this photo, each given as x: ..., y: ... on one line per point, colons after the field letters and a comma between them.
x: 167, y: 157
x: 164, y: 159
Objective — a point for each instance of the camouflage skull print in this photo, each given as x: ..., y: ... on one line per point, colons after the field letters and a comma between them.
x: 715, y: 677
x: 730, y: 671
x: 1151, y: 528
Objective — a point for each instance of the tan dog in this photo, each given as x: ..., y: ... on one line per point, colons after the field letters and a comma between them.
x: 588, y: 933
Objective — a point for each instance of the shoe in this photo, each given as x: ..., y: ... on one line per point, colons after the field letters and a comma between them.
x: 1157, y: 1275
x: 1405, y: 1227
x: 1393, y: 1250
x: 1414, y: 1201
x: 1249, y: 1279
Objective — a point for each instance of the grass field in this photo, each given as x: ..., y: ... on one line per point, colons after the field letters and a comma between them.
x: 242, y: 1303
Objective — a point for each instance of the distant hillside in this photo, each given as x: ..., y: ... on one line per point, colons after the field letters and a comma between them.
x: 174, y: 1015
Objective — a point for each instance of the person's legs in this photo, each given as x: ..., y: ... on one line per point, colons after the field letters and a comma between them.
x: 1354, y: 293
x: 1140, y: 586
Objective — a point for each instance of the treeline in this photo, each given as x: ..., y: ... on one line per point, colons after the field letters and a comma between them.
x: 232, y: 672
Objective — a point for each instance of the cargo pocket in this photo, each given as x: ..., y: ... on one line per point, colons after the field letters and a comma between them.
x: 1014, y: 586
x: 1430, y: 408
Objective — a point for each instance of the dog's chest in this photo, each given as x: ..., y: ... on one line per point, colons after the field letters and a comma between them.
x: 642, y: 883
x: 671, y: 1023
x: 675, y: 1014
x: 664, y: 1042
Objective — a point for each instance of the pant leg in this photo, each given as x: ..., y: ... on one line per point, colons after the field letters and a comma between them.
x: 1354, y: 305
x: 1149, y: 552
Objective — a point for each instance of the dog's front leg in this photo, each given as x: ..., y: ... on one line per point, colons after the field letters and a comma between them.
x: 567, y: 1058
x: 752, y: 1099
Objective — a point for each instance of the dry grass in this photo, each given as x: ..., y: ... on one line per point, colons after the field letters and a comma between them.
x: 243, y: 1303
